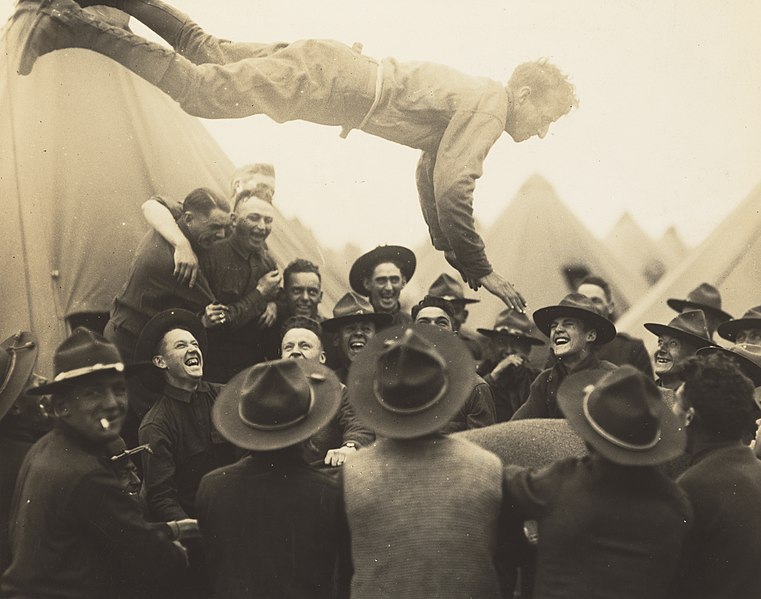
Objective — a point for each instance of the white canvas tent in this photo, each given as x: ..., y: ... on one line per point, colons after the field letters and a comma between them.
x: 633, y: 248
x: 729, y: 258
x: 542, y: 248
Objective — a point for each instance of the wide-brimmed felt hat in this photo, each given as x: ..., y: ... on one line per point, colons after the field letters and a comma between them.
x: 152, y: 334
x: 277, y: 404
x: 703, y: 297
x: 18, y: 355
x: 750, y: 320
x: 578, y: 306
x: 514, y: 324
x: 82, y: 354
x: 364, y: 265
x: 410, y: 381
x: 690, y: 326
x: 351, y: 308
x: 447, y: 287
x: 623, y: 417
x: 748, y: 358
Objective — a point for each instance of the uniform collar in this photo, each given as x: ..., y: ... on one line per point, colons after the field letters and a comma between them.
x: 183, y: 395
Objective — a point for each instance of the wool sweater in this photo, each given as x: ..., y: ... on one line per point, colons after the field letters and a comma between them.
x: 425, y: 517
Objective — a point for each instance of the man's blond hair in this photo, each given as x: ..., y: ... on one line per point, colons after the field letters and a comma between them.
x: 545, y: 80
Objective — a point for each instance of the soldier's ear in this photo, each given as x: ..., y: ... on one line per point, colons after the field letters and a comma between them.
x: 159, y: 362
x: 591, y: 336
x: 323, y: 358
x: 522, y: 94
x: 367, y: 284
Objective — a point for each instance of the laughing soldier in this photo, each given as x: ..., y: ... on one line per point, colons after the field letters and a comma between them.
x: 178, y: 427
x: 574, y: 327
x: 380, y: 275
x: 453, y: 118
x: 74, y: 530
x: 677, y: 341
x: 353, y: 324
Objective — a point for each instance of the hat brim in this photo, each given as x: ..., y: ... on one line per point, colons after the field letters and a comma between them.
x: 606, y: 330
x: 461, y: 379
x: 364, y: 265
x: 152, y: 334
x: 127, y: 370
x: 227, y: 419
x: 495, y: 333
x: 664, y: 329
x: 748, y: 366
x: 22, y: 368
x: 679, y: 305
x: 671, y: 445
x: 380, y: 319
x: 729, y: 330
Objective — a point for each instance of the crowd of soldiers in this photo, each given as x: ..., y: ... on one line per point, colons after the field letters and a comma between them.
x: 223, y: 439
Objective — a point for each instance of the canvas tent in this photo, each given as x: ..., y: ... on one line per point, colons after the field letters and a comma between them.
x: 542, y: 248
x: 633, y: 248
x: 672, y: 247
x: 83, y: 143
x: 729, y: 258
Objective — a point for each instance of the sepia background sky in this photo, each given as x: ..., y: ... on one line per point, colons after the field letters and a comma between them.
x: 668, y: 128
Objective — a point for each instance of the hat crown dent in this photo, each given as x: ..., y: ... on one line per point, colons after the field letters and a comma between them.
x: 352, y: 304
x: 705, y: 294
x: 275, y: 395
x: 84, y: 351
x: 410, y: 374
x: 691, y: 321
x: 622, y: 408
x: 445, y: 286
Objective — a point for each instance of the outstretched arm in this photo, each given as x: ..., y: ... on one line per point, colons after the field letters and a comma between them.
x: 159, y: 217
x: 450, y: 179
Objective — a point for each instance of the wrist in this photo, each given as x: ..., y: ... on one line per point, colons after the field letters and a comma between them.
x: 351, y: 445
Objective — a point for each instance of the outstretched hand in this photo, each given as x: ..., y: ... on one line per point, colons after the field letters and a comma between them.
x: 498, y: 286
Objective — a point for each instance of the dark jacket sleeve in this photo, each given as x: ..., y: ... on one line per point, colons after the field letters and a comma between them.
x: 477, y: 412
x: 536, y: 405
x: 159, y: 475
x: 352, y: 428
x: 641, y: 359
x: 532, y: 492
x: 114, y: 520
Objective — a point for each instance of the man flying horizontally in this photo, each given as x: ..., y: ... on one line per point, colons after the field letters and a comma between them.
x: 452, y: 117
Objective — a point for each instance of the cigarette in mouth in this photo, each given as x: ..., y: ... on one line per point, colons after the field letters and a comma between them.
x: 105, y: 424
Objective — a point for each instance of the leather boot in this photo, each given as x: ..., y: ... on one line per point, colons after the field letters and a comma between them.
x: 63, y: 24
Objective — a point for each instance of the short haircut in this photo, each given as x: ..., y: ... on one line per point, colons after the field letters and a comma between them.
x: 431, y: 301
x: 246, y: 195
x: 721, y: 395
x: 545, y: 80
x: 599, y: 282
x: 300, y: 265
x: 260, y: 168
x: 302, y: 322
x: 203, y: 200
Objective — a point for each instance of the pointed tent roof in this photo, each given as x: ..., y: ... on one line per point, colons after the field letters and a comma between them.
x: 729, y: 258
x: 633, y: 248
x: 540, y: 246
x: 672, y: 247
x: 80, y: 154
